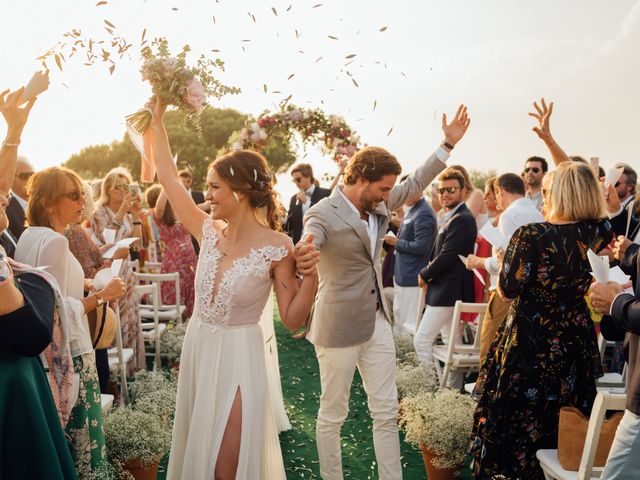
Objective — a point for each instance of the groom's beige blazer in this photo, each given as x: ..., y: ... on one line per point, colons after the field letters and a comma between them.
x: 350, y: 275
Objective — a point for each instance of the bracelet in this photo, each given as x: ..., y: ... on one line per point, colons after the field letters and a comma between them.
x: 7, y: 144
x: 137, y: 223
x: 447, y: 145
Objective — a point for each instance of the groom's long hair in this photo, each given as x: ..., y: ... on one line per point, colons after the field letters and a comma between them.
x: 371, y: 163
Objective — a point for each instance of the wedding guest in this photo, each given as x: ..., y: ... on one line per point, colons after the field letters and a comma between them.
x: 198, y: 197
x: 534, y: 170
x: 545, y: 355
x: 150, y: 231
x: 517, y: 210
x: 490, y: 200
x: 91, y: 260
x: 56, y: 199
x: 388, y: 263
x: 625, y: 192
x: 350, y: 323
x: 35, y: 445
x: 309, y: 193
x: 19, y: 197
x: 119, y: 210
x: 178, y: 256
x: 413, y: 245
x: 445, y: 277
x: 621, y: 322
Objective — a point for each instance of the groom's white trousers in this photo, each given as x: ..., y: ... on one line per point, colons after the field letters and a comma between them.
x: 376, y: 362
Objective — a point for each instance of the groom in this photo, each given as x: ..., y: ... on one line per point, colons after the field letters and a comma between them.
x: 350, y: 323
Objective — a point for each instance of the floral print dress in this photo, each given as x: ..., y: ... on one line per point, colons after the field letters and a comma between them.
x: 545, y: 354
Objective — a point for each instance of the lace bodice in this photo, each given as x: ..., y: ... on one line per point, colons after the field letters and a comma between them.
x: 243, y: 288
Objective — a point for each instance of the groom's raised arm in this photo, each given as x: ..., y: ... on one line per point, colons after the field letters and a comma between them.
x: 425, y: 173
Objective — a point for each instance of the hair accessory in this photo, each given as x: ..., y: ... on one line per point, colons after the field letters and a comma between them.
x: 231, y: 171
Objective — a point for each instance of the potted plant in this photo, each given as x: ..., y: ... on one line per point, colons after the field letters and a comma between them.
x: 413, y: 378
x: 440, y: 424
x: 155, y: 393
x: 136, y: 441
x: 171, y: 344
x: 404, y: 347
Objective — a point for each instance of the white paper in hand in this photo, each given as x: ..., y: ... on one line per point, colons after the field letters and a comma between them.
x: 125, y: 242
x: 599, y: 267
x: 612, y: 176
x: 38, y: 84
x: 492, y: 235
x: 390, y: 234
x: 116, y: 266
x: 475, y: 272
x: 109, y: 235
x: 102, y: 278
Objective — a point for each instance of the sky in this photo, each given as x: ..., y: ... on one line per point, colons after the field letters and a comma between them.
x: 496, y: 56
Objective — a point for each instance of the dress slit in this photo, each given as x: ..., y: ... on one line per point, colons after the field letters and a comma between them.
x: 237, y: 403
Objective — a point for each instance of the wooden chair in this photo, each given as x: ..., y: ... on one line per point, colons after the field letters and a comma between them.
x: 152, y: 331
x: 548, y: 458
x: 458, y: 357
x: 119, y: 358
x: 167, y: 313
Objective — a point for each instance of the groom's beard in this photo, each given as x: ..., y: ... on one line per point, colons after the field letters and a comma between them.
x: 368, y: 203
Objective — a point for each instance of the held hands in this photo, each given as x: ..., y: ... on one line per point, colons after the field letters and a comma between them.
x: 454, y: 131
x: 602, y: 295
x: 114, y: 290
x: 306, y: 256
x: 620, y: 246
x: 543, y: 114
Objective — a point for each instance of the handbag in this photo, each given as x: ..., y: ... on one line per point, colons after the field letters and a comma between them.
x: 572, y: 433
x: 102, y: 326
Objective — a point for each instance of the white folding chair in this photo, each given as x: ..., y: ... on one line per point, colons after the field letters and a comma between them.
x: 119, y: 358
x: 152, y: 267
x: 166, y: 313
x: 611, y: 380
x: 152, y: 331
x: 455, y: 356
x: 548, y: 458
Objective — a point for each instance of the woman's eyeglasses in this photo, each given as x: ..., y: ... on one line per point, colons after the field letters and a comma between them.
x: 447, y: 189
x: 74, y: 196
x: 24, y: 176
x: 532, y: 169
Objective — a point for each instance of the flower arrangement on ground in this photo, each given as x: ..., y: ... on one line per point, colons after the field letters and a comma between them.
x: 413, y: 379
x: 171, y: 342
x: 442, y: 422
x: 331, y: 132
x: 155, y: 393
x: 178, y: 84
x: 132, y: 435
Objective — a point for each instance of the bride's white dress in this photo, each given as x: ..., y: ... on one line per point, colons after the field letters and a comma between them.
x: 224, y: 352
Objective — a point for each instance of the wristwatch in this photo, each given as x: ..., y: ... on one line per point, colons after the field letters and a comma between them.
x: 99, y: 300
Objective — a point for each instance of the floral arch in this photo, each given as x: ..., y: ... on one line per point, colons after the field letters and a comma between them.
x: 265, y: 133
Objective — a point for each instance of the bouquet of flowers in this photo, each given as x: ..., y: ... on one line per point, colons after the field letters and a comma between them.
x: 178, y: 84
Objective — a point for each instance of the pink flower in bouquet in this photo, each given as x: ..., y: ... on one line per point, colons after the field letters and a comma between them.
x: 295, y: 115
x: 244, y: 133
x: 195, y: 96
x: 255, y: 137
x: 351, y: 149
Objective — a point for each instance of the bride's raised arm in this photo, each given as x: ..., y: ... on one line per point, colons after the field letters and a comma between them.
x: 183, y: 205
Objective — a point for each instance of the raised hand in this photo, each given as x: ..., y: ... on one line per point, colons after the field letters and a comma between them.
x: 620, y: 246
x: 454, y: 131
x: 15, y: 116
x: 307, y: 256
x: 542, y: 115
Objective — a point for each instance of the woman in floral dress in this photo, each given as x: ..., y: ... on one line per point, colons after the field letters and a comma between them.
x: 179, y: 256
x: 545, y: 355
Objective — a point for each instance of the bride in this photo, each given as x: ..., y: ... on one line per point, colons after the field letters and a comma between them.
x: 224, y: 424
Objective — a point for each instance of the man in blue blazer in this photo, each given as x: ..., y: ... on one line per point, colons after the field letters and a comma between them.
x: 446, y: 278
x: 413, y: 245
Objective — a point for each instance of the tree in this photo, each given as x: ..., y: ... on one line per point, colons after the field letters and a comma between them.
x: 480, y: 177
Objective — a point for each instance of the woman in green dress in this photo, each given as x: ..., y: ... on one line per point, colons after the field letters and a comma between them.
x: 32, y: 443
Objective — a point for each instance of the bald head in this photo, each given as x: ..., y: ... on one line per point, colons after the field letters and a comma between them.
x: 24, y: 170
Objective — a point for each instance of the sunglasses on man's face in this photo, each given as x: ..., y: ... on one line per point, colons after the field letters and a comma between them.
x: 298, y: 179
x: 448, y: 190
x: 532, y: 169
x: 24, y: 176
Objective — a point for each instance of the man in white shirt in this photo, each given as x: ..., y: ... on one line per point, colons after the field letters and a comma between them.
x: 535, y: 169
x: 516, y: 212
x: 19, y: 198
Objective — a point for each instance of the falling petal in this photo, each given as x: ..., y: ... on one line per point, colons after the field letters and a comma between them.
x: 316, y: 6
x: 402, y: 73
x: 110, y: 24
x: 246, y: 40
x: 301, y: 51
x: 275, y: 12
x: 100, y: 3
x: 214, y: 18
x: 175, y: 9
x: 289, y: 7
x: 318, y: 59
x: 354, y: 82
x: 264, y: 87
x: 297, y: 34
x: 215, y: 50
x: 389, y: 132
x: 383, y: 29
x: 291, y: 76
x: 350, y: 56
x: 332, y: 37
x: 375, y: 104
